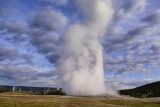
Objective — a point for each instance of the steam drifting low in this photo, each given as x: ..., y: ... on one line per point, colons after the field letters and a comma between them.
x: 82, y: 63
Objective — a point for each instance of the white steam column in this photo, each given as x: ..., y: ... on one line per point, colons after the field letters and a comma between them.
x: 82, y: 62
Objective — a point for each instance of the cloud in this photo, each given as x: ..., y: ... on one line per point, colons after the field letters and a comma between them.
x: 53, y: 57
x: 126, y: 83
x: 44, y: 34
x: 131, y: 8
x: 24, y: 75
x: 13, y: 26
x: 137, y: 60
x: 58, y: 2
x: 49, y: 19
x: 48, y: 44
x: 13, y: 31
x: 136, y: 82
x: 131, y: 43
x: 153, y: 18
x: 42, y: 31
x: 5, y: 12
x: 135, y: 49
x: 9, y: 53
x: 135, y: 6
x: 125, y: 13
x: 28, y: 58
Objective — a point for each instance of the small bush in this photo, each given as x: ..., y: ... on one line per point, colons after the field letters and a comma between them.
x: 57, y: 92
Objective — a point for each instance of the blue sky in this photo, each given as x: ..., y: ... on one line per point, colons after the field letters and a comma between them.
x: 32, y: 32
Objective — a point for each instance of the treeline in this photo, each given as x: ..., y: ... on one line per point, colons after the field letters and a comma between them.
x: 145, y: 91
x: 1, y: 91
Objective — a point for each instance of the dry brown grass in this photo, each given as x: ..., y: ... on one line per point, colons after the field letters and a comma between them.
x: 15, y: 99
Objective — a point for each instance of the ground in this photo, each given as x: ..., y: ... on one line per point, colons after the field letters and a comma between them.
x: 19, y: 99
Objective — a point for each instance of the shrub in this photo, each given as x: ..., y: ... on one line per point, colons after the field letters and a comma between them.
x: 57, y: 92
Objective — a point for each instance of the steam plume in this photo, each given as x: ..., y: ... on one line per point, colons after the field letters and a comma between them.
x: 82, y: 61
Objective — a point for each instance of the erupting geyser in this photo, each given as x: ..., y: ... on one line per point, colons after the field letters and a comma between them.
x: 82, y: 62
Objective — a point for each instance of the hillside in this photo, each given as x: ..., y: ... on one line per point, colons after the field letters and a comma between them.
x: 148, y: 90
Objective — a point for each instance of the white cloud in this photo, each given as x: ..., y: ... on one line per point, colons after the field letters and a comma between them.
x: 48, y: 19
x: 58, y: 2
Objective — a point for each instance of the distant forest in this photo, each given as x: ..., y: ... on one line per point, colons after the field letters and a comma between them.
x: 145, y: 91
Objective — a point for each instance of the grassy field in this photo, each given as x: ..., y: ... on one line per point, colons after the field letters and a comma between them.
x: 16, y: 99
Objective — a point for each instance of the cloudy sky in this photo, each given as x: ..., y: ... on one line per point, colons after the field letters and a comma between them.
x: 32, y: 34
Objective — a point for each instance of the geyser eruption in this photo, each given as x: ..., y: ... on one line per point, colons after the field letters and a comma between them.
x: 82, y: 63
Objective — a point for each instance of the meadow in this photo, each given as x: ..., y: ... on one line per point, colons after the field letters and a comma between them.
x: 19, y: 99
